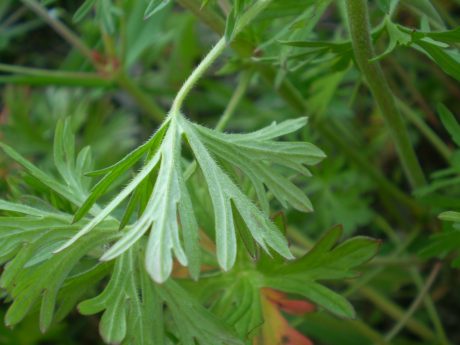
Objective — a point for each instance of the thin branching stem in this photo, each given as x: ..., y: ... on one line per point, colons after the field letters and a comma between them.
x: 430, y: 308
x: 416, y: 303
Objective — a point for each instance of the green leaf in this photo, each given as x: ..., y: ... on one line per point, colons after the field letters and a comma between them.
x: 64, y: 157
x: 168, y: 208
x: 195, y: 324
x: 230, y: 25
x: 315, y: 293
x: 322, y: 262
x: 254, y: 152
x: 245, y: 234
x: 77, y: 286
x: 449, y: 36
x: 113, y: 301
x: 445, y: 61
x: 115, y: 171
x: 105, y: 11
x: 425, y: 7
x: 449, y: 122
x: 28, y: 283
x: 239, y: 305
x: 43, y: 177
x: 396, y: 38
x: 216, y: 180
x: 161, y: 210
x: 155, y: 6
x: 83, y: 10
x: 20, y: 208
x: 450, y: 216
x: 132, y: 311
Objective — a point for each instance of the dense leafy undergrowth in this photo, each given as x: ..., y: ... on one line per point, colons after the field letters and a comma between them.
x: 229, y: 172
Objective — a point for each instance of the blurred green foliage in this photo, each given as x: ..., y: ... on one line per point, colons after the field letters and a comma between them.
x: 299, y: 59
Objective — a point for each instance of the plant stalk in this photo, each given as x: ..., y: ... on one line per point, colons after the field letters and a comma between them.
x: 358, y: 18
x: 396, y: 312
x: 426, y: 131
x: 197, y: 73
x: 214, y: 53
x: 294, y: 99
x: 37, y: 76
x: 234, y: 101
x: 416, y: 303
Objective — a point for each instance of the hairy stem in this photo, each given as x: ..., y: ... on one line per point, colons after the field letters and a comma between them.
x: 294, y: 99
x: 358, y: 19
x: 214, y: 53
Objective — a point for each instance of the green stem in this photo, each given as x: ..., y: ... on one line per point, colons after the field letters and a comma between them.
x: 413, y: 91
x: 415, y: 304
x: 431, y: 309
x: 370, y: 275
x: 234, y: 101
x: 294, y: 99
x: 55, y: 80
x: 13, y: 18
x: 213, y: 54
x: 60, y: 28
x: 358, y: 18
x: 36, y: 76
x: 368, y: 332
x: 396, y: 313
x: 426, y: 131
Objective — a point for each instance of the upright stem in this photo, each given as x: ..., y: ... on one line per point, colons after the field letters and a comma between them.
x: 358, y: 19
x: 294, y: 99
x: 214, y: 53
x: 234, y: 101
x: 196, y: 75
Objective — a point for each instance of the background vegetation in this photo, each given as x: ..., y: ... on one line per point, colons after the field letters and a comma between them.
x: 113, y: 68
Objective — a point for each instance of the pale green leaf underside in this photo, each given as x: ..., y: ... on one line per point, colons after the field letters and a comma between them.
x: 169, y: 214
